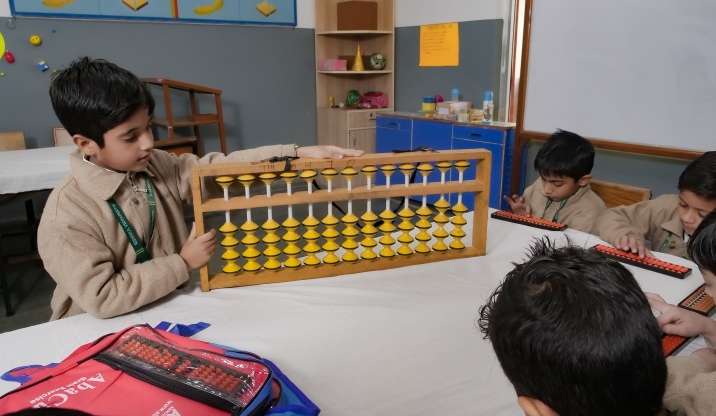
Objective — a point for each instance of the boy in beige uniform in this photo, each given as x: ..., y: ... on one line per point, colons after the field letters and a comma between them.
x: 691, y: 384
x: 665, y: 222
x: 562, y: 193
x: 112, y: 234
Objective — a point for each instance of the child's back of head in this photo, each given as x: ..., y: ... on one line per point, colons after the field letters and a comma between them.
x: 565, y: 154
x: 91, y: 97
x: 573, y: 331
x: 702, y: 250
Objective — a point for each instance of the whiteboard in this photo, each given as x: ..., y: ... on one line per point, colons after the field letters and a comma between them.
x: 636, y: 71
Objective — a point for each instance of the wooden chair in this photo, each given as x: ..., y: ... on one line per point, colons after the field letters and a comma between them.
x: 615, y: 194
x: 61, y: 137
x: 15, y: 141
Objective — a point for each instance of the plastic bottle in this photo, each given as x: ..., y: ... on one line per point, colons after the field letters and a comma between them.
x: 487, y: 108
x: 455, y: 95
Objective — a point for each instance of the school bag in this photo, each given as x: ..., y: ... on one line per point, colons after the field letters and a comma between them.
x: 143, y: 370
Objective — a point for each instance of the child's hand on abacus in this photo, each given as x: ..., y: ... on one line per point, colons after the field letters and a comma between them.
x: 518, y: 205
x: 197, y: 251
x: 326, y: 152
x: 679, y: 321
x: 633, y: 244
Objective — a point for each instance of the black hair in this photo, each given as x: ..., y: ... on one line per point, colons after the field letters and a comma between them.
x: 91, y: 97
x: 565, y: 154
x: 572, y: 328
x: 699, y: 176
x: 702, y: 245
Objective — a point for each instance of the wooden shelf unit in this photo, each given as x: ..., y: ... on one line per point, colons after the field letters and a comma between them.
x: 352, y: 127
x: 191, y: 144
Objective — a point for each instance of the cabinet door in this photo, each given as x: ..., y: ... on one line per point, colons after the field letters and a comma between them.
x: 495, y: 173
x: 435, y: 135
x: 386, y: 141
x: 363, y: 139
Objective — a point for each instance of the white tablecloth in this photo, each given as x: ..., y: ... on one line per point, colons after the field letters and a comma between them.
x: 33, y: 169
x: 392, y: 342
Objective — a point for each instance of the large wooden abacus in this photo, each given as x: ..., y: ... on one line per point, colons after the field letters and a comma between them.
x: 414, y: 245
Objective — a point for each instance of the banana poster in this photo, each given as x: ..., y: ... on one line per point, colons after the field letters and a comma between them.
x: 271, y: 12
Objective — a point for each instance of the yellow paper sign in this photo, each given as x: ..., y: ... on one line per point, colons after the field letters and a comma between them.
x: 439, y: 45
x: 2, y: 46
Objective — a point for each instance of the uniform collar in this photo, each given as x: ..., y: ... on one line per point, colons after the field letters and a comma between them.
x: 98, y: 181
x: 674, y: 226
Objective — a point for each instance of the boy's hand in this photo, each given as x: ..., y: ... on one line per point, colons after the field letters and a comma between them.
x: 518, y: 205
x: 633, y: 244
x: 326, y: 152
x: 678, y: 321
x: 196, y: 252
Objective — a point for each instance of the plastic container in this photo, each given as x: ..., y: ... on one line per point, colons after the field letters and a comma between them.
x: 455, y: 94
x: 487, y: 108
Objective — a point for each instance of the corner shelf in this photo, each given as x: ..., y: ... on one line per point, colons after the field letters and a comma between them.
x: 193, y: 144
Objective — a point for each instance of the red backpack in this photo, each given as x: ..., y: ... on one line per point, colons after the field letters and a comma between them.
x: 142, y: 370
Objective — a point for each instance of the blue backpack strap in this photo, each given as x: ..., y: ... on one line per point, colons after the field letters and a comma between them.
x: 295, y: 403
x: 24, y: 374
x: 183, y: 330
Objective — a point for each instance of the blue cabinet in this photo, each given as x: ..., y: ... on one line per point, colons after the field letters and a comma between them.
x: 410, y: 132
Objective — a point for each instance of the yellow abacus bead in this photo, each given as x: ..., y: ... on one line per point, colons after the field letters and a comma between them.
x: 387, y: 169
x: 308, y: 174
x: 369, y: 171
x: 246, y: 179
x: 406, y: 168
x: 462, y: 165
x: 224, y: 181
x: 443, y: 166
x: 425, y: 168
x: 349, y: 172
x: 329, y: 173
x: 289, y: 176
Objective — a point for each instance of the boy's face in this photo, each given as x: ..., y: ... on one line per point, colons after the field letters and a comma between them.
x: 127, y: 147
x: 693, y: 209
x: 710, y: 281
x: 558, y: 188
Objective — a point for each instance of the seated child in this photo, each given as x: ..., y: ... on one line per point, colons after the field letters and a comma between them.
x: 696, y: 373
x: 562, y: 193
x: 575, y: 335
x: 667, y: 221
x: 118, y: 177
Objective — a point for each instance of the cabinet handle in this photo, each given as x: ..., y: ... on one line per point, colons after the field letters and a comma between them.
x: 476, y: 134
x: 354, y: 142
x: 392, y: 123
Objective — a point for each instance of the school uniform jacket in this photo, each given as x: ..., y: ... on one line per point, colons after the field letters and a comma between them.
x: 651, y: 221
x: 579, y: 213
x: 690, y: 387
x: 87, y: 253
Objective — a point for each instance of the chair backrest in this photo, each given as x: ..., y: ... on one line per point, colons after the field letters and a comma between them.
x: 13, y: 140
x: 62, y: 137
x: 616, y: 194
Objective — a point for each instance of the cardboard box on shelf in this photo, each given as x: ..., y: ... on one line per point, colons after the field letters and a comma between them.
x: 357, y: 15
x: 453, y: 107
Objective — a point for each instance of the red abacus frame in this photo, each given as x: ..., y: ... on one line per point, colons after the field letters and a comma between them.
x: 529, y: 221
x: 655, y: 265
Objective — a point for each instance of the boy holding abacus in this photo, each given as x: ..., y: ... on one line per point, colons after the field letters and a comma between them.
x: 113, y: 234
x: 666, y: 223
x: 562, y: 193
x: 696, y: 373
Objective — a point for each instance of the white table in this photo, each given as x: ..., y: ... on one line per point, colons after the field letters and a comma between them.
x: 33, y: 169
x: 393, y: 342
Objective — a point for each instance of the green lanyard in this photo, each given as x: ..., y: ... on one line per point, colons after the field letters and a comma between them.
x: 666, y: 242
x: 556, y: 214
x: 142, y: 252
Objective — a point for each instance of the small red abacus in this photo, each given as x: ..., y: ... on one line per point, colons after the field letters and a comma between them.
x: 529, y: 221
x: 671, y: 343
x: 699, y: 302
x: 655, y: 265
x: 189, y: 367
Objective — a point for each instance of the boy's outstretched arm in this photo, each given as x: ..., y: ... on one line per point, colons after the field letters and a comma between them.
x: 625, y: 227
x: 83, y: 267
x: 328, y: 152
x: 679, y: 321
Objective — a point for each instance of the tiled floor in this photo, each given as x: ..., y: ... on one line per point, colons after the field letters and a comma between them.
x: 31, y: 287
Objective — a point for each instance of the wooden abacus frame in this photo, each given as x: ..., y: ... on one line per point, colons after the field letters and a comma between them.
x: 480, y: 186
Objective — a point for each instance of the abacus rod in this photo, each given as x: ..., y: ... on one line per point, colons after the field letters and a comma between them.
x: 358, y: 193
x: 239, y: 168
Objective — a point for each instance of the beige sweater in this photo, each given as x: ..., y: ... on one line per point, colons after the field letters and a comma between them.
x: 579, y: 213
x: 690, y: 387
x: 651, y: 221
x: 86, y: 251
